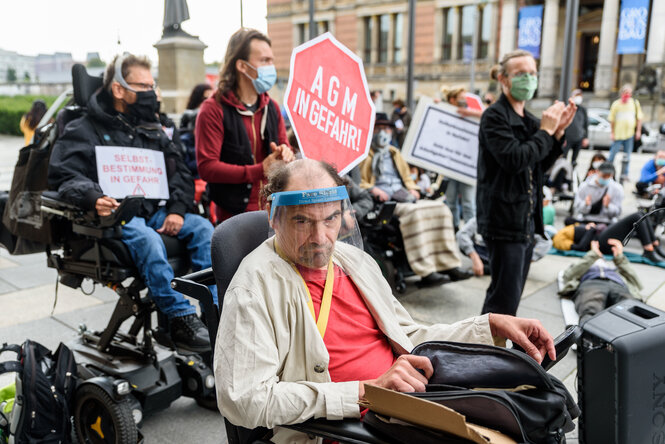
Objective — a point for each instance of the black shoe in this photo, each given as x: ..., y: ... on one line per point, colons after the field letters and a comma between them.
x: 659, y: 251
x: 455, y: 274
x: 188, y: 332
x: 433, y: 279
x: 652, y: 256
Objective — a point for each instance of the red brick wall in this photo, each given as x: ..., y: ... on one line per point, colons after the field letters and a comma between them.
x: 424, y: 35
x: 281, y: 34
x: 346, y: 30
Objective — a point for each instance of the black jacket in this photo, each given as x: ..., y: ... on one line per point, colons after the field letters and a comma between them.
x: 512, y: 156
x: 578, y: 128
x: 73, y: 169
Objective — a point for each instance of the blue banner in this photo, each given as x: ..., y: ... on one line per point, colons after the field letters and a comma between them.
x: 530, y: 23
x: 633, y: 26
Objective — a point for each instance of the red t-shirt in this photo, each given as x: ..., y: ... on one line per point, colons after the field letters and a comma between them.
x: 358, y: 349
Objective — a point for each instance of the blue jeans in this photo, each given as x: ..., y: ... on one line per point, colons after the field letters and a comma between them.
x: 149, y: 255
x: 467, y: 195
x: 627, y: 147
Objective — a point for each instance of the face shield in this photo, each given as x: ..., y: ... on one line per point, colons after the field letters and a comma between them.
x: 308, y: 224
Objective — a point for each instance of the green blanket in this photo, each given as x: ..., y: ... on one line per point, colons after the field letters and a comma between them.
x: 632, y: 257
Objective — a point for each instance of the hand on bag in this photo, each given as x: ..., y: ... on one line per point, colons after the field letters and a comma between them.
x: 587, y: 200
x: 404, y: 376
x: 527, y: 333
x: 106, y: 205
x: 606, y: 200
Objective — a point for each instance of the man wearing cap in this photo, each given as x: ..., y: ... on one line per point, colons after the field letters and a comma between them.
x: 124, y: 113
x: 599, y: 197
x: 308, y: 319
x: 426, y: 225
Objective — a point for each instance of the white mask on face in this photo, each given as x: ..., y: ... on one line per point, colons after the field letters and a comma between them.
x: 596, y: 164
x: 577, y: 100
x: 382, y: 138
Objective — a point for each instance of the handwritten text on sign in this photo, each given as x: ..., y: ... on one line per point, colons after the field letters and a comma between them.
x: 441, y: 140
x: 124, y: 171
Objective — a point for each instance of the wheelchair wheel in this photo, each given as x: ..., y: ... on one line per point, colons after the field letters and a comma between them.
x: 209, y: 402
x: 98, y: 419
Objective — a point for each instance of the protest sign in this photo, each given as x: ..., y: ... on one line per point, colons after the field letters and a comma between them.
x: 124, y: 171
x: 441, y: 140
x: 328, y: 103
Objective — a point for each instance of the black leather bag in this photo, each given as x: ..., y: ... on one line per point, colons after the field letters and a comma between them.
x: 499, y: 388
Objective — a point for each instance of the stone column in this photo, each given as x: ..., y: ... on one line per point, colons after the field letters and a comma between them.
x: 508, y: 27
x: 181, y: 67
x: 375, y: 39
x: 656, y: 43
x: 457, y: 33
x: 548, y: 48
x: 391, y: 38
x: 607, y: 49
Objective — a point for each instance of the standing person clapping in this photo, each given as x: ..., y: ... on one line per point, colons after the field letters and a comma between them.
x: 515, y: 149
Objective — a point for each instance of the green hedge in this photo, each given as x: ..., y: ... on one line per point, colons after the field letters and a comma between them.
x: 13, y: 108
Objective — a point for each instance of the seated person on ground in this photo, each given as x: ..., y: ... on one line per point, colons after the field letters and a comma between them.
x: 653, y: 172
x: 560, y: 176
x: 596, y: 284
x: 124, y: 113
x: 426, y: 225
x: 579, y: 237
x: 472, y: 245
x: 599, y: 197
x: 308, y: 317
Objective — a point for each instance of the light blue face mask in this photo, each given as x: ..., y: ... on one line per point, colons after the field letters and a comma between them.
x: 660, y: 162
x: 602, y: 181
x: 266, y: 78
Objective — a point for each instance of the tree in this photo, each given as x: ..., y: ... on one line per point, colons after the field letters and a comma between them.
x: 26, y: 76
x: 96, y: 63
x: 11, y: 75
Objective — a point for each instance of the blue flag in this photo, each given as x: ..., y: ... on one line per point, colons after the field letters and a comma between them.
x: 530, y: 24
x: 633, y: 26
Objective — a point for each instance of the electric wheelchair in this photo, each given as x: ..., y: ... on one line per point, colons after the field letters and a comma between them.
x: 124, y: 374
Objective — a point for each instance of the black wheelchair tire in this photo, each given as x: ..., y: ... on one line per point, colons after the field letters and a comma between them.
x: 118, y: 425
x: 209, y: 403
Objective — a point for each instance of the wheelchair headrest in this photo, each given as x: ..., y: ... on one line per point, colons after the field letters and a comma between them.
x: 234, y: 239
x: 84, y: 84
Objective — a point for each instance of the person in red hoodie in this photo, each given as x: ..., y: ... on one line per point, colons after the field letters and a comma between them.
x: 240, y: 134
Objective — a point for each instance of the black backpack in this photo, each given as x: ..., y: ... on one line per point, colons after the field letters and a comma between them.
x: 45, y: 386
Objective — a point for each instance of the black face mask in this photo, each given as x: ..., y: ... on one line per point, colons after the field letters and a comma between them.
x: 145, y: 108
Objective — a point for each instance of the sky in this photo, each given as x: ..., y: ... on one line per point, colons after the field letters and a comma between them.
x: 31, y: 27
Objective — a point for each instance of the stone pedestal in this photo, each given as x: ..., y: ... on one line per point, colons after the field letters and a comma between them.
x: 181, y: 67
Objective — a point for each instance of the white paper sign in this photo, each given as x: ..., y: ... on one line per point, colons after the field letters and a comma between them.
x: 441, y: 140
x: 124, y: 171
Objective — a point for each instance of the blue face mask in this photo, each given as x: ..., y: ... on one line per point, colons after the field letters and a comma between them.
x: 602, y: 181
x: 266, y: 78
x: 660, y: 162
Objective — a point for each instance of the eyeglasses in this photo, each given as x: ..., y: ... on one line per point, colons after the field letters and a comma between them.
x: 143, y: 86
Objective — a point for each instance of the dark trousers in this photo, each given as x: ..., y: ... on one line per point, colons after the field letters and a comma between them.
x: 509, y: 266
x: 619, y: 230
x: 595, y: 295
x: 575, y: 147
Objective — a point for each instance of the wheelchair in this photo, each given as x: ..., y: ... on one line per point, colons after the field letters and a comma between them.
x: 124, y: 374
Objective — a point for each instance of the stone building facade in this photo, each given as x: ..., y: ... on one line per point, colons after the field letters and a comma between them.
x: 377, y: 30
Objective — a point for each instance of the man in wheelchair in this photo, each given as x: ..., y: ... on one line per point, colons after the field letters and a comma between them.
x: 308, y: 318
x: 124, y: 113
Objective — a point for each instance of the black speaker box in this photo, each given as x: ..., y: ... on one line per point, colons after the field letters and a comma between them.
x: 621, y: 376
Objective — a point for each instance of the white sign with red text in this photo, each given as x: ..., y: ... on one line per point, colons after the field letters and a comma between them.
x: 124, y: 171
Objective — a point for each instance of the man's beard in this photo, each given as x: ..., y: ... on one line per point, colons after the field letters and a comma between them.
x: 315, y: 255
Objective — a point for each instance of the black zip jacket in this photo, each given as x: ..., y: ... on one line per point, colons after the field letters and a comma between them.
x: 513, y: 154
x: 73, y: 169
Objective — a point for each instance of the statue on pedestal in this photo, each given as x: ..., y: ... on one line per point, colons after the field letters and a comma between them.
x: 175, y: 12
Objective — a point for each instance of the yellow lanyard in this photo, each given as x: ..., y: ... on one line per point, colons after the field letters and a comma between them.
x: 326, y: 301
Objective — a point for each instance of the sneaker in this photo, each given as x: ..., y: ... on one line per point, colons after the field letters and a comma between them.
x: 455, y: 274
x: 188, y: 332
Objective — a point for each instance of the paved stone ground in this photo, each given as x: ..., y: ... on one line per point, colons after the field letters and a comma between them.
x: 27, y: 298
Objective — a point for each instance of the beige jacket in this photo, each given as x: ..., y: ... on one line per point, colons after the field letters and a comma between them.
x: 271, y: 365
x: 367, y: 179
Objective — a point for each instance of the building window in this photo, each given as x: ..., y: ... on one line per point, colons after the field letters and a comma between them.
x: 302, y: 33
x: 384, y: 26
x: 465, y: 48
x: 321, y: 27
x: 448, y: 29
x: 485, y: 30
x: 368, y: 39
x: 398, y: 37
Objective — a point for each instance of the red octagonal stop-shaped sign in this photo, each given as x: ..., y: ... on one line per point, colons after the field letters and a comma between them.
x: 328, y: 103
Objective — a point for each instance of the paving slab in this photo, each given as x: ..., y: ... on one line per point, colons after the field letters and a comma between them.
x: 29, y: 276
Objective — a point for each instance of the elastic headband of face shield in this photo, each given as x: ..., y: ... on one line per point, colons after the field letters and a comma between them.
x: 117, y: 74
x: 309, y: 223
